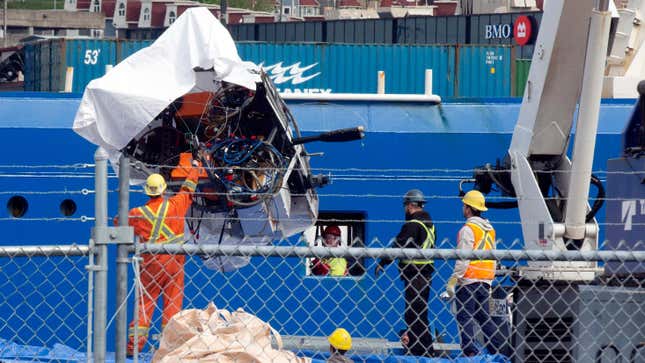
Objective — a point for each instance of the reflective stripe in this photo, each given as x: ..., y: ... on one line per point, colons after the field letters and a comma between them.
x: 427, y: 243
x: 190, y: 185
x: 141, y: 330
x: 175, y: 239
x: 166, y: 231
x: 159, y: 226
x: 159, y: 221
x: 484, y: 241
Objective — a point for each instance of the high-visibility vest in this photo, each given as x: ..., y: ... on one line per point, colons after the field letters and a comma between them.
x: 484, y: 241
x: 337, y: 266
x: 160, y: 232
x: 427, y: 243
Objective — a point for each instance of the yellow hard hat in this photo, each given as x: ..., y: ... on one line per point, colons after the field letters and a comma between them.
x: 475, y: 199
x: 340, y: 339
x: 155, y: 185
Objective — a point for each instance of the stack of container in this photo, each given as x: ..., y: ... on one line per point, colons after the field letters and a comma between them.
x: 469, y: 56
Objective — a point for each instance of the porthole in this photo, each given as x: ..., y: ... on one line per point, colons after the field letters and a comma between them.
x: 17, y: 206
x: 67, y: 207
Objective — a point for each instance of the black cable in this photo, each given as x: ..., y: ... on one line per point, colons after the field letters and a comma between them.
x: 599, y: 200
x: 502, y: 205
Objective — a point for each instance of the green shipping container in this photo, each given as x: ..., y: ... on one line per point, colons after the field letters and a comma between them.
x: 522, y: 67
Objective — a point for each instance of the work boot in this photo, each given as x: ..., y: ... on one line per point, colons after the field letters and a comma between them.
x: 140, y: 346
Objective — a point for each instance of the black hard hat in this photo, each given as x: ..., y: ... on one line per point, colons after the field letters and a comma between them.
x: 414, y: 196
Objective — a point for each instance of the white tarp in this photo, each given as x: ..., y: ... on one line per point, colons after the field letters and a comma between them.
x: 117, y: 106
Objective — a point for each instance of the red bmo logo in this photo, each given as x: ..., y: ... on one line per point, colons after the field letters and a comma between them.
x: 522, y: 30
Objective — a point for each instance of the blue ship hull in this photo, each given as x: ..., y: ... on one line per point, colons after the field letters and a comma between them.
x: 36, y: 130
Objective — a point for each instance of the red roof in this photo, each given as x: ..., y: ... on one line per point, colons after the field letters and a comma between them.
x: 390, y: 3
x: 309, y: 3
x: 235, y: 18
x: 265, y: 19
x: 182, y: 8
x: 158, y: 15
x: 445, y: 8
x: 133, y: 7
x: 349, y: 4
x: 215, y: 12
x: 83, y: 4
x: 107, y: 8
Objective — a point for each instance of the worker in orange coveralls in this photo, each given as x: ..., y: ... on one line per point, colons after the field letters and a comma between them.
x: 161, y: 220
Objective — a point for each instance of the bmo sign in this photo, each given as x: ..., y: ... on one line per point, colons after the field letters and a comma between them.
x: 498, y: 31
x: 521, y: 30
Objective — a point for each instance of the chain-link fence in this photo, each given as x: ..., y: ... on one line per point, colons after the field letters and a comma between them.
x: 576, y: 305
x: 44, y: 301
x: 528, y: 320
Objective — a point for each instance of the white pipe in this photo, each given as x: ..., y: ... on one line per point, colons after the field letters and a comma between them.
x: 428, y: 84
x: 587, y: 126
x: 371, y: 97
x: 69, y: 79
x: 380, y: 83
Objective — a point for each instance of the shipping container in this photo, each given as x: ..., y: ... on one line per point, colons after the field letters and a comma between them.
x: 484, y: 71
x: 46, y: 62
x: 522, y: 67
x: 431, y: 30
x: 311, y: 31
x: 244, y: 32
x: 338, y: 68
x: 458, y: 71
x: 127, y: 48
x: 498, y: 29
x: 485, y: 29
x: 365, y: 31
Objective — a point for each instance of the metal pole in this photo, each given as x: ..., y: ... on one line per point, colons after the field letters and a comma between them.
x: 585, y: 138
x: 223, y: 12
x: 122, y: 263
x: 4, y: 24
x: 69, y: 79
x: 428, y: 82
x: 380, y: 82
x: 100, y: 287
x: 90, y: 300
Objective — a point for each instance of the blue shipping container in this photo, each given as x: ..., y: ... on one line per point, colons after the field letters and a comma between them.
x: 458, y: 71
x: 46, y: 62
x: 345, y: 68
x: 484, y: 71
x: 127, y: 48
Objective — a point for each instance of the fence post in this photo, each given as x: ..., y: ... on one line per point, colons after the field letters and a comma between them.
x: 100, y: 224
x: 122, y: 263
x: 69, y: 79
x: 428, y: 82
x: 380, y: 83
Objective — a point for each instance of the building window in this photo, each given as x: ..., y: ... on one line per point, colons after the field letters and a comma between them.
x: 121, y: 9
x: 146, y: 14
x: 96, y: 6
x: 171, y: 17
x: 287, y: 11
x: 352, y: 234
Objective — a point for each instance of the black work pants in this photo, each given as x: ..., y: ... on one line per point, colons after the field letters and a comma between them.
x: 416, y: 281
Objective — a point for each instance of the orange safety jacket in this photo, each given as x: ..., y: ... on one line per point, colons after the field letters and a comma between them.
x: 484, y: 241
x: 161, y: 220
